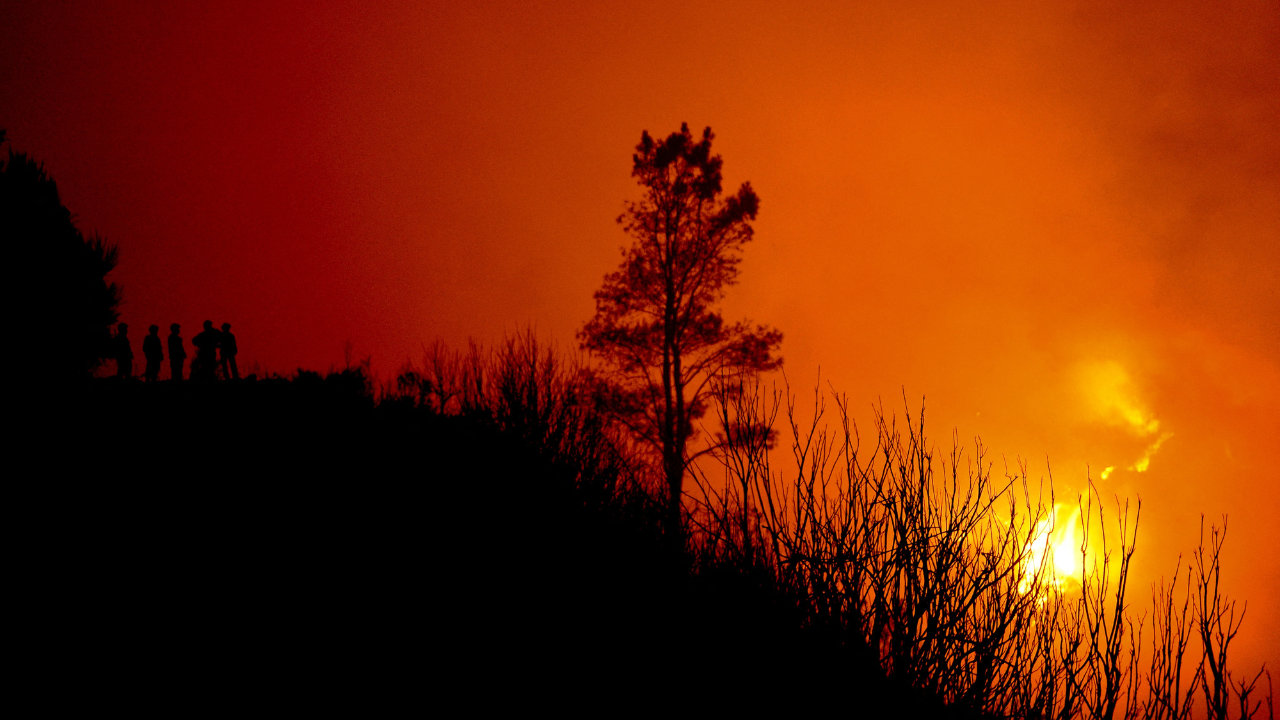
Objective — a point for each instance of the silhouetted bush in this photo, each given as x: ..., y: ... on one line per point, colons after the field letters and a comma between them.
x: 67, y: 306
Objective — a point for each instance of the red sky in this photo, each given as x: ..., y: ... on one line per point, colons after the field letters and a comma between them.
x: 1059, y: 223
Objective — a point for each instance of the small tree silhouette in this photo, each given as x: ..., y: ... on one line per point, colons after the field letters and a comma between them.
x: 71, y: 305
x: 655, y: 325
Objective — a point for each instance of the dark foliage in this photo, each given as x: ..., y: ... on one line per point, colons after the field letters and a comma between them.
x: 656, y: 326
x: 67, y: 305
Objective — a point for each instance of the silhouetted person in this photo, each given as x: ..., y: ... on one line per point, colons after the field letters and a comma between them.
x: 177, y: 353
x: 206, y: 343
x: 153, y: 352
x: 227, y: 353
x: 123, y: 352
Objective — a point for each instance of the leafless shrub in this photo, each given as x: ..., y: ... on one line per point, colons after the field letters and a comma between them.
x: 532, y: 392
x: 932, y: 571
x: 925, y: 567
x: 1171, y: 634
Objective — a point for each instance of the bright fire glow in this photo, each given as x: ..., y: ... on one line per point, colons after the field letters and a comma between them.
x: 1053, y: 553
x: 1112, y: 398
x: 1144, y: 462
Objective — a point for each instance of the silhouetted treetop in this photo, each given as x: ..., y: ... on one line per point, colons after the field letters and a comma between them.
x: 655, y: 325
x: 70, y: 305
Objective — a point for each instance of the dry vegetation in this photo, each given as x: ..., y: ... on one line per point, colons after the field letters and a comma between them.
x: 917, y: 570
x: 812, y: 567
x: 925, y: 567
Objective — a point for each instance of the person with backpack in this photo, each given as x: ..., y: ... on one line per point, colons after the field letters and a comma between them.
x: 206, y: 364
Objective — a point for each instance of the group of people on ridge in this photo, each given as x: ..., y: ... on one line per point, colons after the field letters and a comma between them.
x: 215, y: 351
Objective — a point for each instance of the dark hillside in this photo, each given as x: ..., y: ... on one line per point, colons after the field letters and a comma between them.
x: 295, y: 536
x: 305, y: 543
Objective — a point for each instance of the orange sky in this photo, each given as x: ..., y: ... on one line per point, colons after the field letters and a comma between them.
x: 1060, y: 223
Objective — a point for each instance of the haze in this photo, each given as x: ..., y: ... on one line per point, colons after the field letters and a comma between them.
x: 1060, y: 223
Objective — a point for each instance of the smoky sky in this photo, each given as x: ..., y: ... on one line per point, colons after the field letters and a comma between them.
x: 1056, y: 223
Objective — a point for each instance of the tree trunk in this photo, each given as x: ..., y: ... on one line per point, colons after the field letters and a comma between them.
x: 669, y: 446
x: 675, y: 473
x: 671, y: 459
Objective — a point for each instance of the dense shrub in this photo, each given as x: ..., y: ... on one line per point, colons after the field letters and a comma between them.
x: 66, y: 305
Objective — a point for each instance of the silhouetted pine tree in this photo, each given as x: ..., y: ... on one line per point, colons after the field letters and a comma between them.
x: 656, y: 327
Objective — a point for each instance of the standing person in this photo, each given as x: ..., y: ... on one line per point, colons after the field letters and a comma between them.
x: 177, y: 353
x: 154, y: 354
x: 227, y: 353
x: 124, y: 352
x: 206, y: 343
